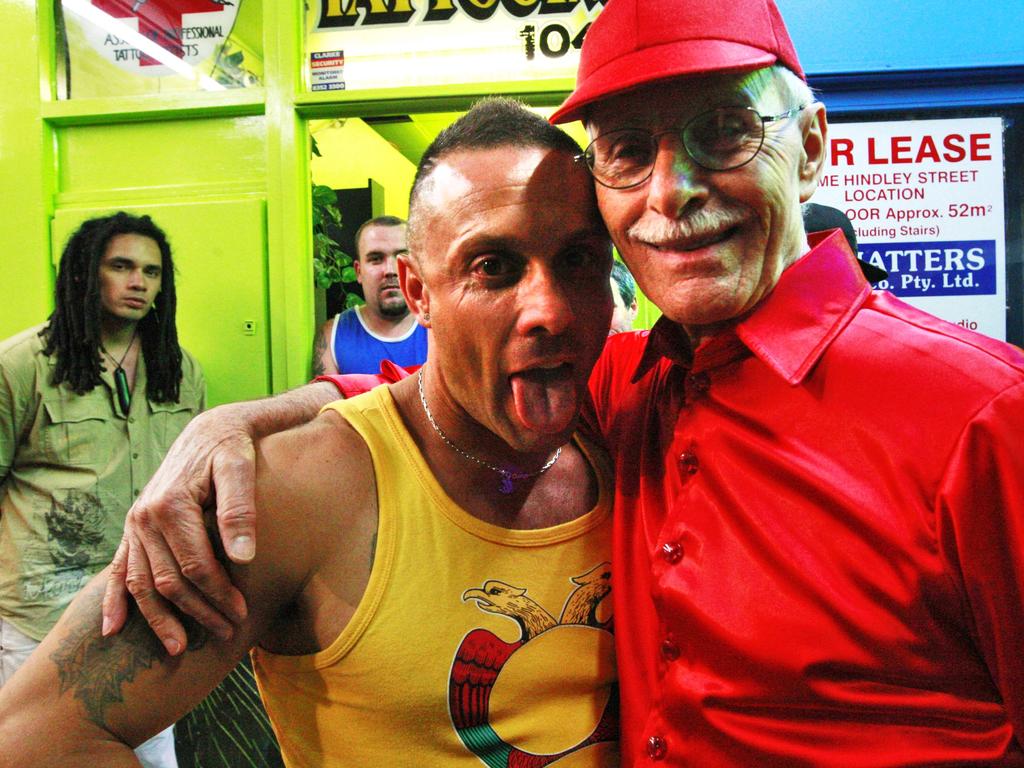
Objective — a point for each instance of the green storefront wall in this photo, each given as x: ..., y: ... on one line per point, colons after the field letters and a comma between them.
x: 201, y: 164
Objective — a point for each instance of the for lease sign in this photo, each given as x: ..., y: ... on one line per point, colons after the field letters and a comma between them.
x: 926, y: 200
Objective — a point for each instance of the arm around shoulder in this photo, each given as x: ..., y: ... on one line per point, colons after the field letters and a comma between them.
x: 165, y: 551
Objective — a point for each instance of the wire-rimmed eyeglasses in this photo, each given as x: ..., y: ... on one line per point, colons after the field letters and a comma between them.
x: 719, y: 140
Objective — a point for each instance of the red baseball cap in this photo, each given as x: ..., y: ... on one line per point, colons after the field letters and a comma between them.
x: 636, y: 42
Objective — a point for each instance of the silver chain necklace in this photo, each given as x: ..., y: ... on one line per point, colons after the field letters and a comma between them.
x: 508, y: 476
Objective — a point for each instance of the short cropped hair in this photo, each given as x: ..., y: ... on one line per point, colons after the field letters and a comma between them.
x: 377, y: 221
x: 792, y: 86
x: 490, y: 123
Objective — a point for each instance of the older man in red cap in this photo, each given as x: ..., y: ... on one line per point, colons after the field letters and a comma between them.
x: 819, y: 548
x: 820, y: 508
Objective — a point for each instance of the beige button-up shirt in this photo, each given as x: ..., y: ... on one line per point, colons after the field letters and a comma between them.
x: 70, y: 467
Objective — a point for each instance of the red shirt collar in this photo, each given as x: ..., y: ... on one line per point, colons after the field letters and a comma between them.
x: 790, y: 329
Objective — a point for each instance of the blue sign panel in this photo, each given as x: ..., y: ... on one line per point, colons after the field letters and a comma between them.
x: 945, y: 268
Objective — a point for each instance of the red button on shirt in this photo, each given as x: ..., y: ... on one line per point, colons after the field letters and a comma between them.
x: 669, y: 649
x: 672, y: 552
x: 689, y: 462
x: 697, y: 384
x: 657, y: 748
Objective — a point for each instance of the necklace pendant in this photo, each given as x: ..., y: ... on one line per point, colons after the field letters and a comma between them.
x: 124, y: 395
x: 508, y: 477
x: 505, y: 486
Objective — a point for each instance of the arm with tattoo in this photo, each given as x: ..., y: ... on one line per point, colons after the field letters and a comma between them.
x: 323, y: 359
x: 86, y: 699
x: 95, y: 669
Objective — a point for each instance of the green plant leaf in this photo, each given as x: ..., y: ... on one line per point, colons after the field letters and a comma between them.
x: 348, y: 275
x: 324, y: 195
x: 229, y: 729
x: 329, y: 261
x: 353, y: 300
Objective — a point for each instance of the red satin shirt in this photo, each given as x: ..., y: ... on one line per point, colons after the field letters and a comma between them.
x: 819, y: 555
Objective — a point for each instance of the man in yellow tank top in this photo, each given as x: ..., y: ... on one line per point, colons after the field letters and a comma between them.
x: 432, y: 585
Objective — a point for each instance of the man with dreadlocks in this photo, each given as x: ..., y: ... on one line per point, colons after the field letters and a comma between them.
x: 89, y: 404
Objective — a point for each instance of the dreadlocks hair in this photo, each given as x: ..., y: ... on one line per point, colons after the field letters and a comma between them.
x: 73, y: 330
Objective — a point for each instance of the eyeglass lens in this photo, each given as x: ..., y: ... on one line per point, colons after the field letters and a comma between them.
x: 721, y: 139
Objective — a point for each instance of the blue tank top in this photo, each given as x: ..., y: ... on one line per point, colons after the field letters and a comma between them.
x: 357, y: 350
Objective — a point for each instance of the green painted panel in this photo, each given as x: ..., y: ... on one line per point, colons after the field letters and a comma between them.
x: 220, y: 253
x: 216, y: 151
x: 202, y: 105
x: 26, y: 282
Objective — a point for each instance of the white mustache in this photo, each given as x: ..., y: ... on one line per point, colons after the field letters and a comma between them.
x: 658, y: 230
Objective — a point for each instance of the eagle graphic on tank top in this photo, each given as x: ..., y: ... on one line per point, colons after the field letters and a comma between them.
x: 559, y: 672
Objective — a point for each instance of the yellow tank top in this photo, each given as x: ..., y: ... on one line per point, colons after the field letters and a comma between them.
x: 473, y: 645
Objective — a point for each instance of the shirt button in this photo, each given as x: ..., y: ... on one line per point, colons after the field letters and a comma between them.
x: 656, y: 747
x: 131, y: 419
x: 135, y: 455
x: 672, y: 552
x: 698, y: 383
x: 669, y: 649
x: 689, y: 462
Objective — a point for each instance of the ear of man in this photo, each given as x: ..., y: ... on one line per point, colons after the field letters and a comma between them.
x: 814, y: 132
x: 416, y: 293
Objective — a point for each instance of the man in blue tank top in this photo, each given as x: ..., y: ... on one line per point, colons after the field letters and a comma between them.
x: 356, y: 340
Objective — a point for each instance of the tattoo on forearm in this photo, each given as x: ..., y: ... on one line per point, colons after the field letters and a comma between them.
x: 97, y: 668
x: 319, y: 350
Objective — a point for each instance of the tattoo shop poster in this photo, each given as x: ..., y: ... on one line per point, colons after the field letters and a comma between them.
x: 926, y: 200
x: 128, y: 33
x: 116, y: 48
x: 360, y: 44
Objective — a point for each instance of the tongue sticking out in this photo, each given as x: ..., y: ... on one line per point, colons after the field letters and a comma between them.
x: 545, y: 400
